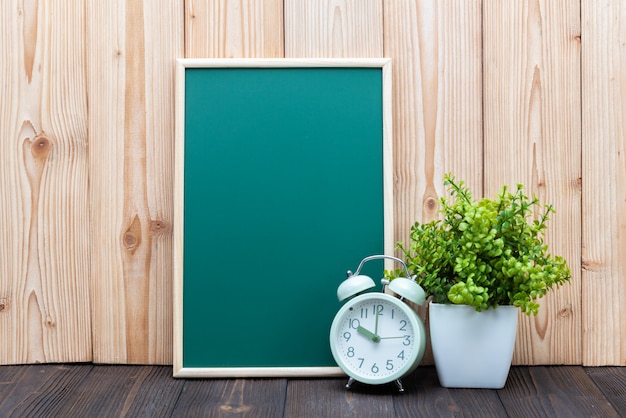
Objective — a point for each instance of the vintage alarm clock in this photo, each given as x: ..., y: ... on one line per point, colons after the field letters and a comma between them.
x: 377, y: 338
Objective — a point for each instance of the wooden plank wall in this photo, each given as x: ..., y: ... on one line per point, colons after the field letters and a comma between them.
x: 531, y: 107
x: 44, y: 182
x: 604, y: 182
x: 132, y: 46
x: 436, y: 48
x: 499, y: 92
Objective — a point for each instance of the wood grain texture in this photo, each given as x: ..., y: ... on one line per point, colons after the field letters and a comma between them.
x: 436, y: 51
x: 150, y: 391
x: 532, y: 136
x: 604, y: 183
x: 426, y: 398
x: 44, y: 207
x: 233, y: 29
x: 612, y: 383
x: 132, y: 48
x: 222, y: 398
x: 329, y: 398
x: 120, y: 391
x: 553, y: 391
x: 38, y: 390
x: 333, y: 29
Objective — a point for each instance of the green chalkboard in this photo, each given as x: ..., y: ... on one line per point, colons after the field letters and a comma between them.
x: 283, y: 183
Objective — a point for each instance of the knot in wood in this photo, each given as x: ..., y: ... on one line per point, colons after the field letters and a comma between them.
x: 159, y: 226
x: 565, y: 312
x: 593, y: 265
x: 40, y: 147
x: 50, y: 322
x: 578, y: 184
x: 130, y: 240
x: 430, y: 204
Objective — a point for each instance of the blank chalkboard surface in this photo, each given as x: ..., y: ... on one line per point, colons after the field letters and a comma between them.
x: 283, y: 183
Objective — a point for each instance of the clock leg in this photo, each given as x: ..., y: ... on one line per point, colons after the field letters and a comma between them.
x: 350, y: 382
x: 399, y: 385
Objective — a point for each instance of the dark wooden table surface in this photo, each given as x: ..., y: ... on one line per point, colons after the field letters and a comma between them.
x: 87, y: 390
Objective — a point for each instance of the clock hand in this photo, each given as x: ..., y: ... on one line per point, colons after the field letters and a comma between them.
x: 376, y: 323
x: 369, y: 334
x: 391, y: 338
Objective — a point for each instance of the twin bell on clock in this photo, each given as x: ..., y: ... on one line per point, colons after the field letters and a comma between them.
x: 376, y: 337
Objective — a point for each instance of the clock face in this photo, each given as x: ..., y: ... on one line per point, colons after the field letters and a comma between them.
x: 376, y: 338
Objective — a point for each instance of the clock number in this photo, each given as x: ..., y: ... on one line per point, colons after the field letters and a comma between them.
x: 389, y: 365
x: 350, y: 352
x: 374, y: 368
x: 364, y: 313
x: 407, y: 340
x: 401, y: 355
x: 378, y: 309
x: 393, y: 311
x: 347, y: 336
x: 403, y: 326
x: 354, y: 323
x: 361, y: 360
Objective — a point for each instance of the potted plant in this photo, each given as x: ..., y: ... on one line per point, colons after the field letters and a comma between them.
x: 481, y: 262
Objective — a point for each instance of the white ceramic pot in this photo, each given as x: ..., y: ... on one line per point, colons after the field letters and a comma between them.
x: 472, y: 349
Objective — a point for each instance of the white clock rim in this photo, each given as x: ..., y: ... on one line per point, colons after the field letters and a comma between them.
x: 415, y: 323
